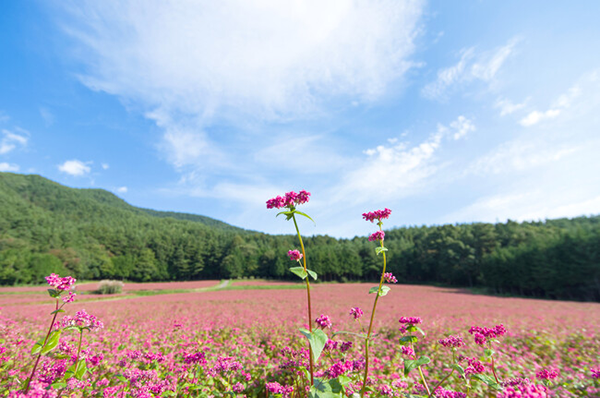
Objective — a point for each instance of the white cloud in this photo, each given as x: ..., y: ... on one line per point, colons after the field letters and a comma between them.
x: 4, y: 117
x: 536, y: 117
x: 196, y: 63
x: 11, y: 140
x: 105, y: 166
x: 75, y: 167
x: 122, y: 190
x: 9, y: 167
x: 507, y: 107
x: 471, y: 66
x: 461, y: 127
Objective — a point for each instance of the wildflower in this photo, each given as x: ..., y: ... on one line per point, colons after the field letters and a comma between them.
x: 356, y: 312
x: 70, y: 298
x: 386, y: 390
x: 346, y: 345
x: 515, y: 381
x: 482, y: 334
x: 452, y: 341
x: 379, y: 235
x: 475, y: 366
x: 289, y: 200
x: 377, y: 215
x: 595, y: 373
x: 547, y: 374
x: 390, y: 278
x: 408, y: 351
x: 59, y: 283
x: 412, y: 320
x: 294, y: 255
x: 82, y: 320
x: 525, y: 391
x: 323, y: 321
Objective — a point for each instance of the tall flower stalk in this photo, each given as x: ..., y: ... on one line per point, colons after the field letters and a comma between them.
x: 381, y: 290
x: 289, y: 201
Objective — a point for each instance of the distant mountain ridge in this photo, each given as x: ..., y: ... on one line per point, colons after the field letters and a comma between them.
x: 92, y: 234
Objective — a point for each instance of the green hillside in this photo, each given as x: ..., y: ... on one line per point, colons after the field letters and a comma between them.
x: 92, y: 234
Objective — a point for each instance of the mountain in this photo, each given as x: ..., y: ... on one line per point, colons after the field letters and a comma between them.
x: 92, y: 234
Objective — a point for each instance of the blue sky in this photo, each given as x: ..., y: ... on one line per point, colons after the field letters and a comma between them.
x: 444, y: 112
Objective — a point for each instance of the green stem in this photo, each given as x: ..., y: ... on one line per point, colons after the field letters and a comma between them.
x: 26, y: 389
x: 494, y: 371
x: 310, y: 354
x: 424, y: 381
x: 364, y: 386
x: 78, y: 349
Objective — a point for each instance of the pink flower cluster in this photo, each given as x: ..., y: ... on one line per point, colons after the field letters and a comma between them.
x: 595, y: 373
x: 441, y: 392
x: 475, y: 366
x: 390, y: 278
x: 482, y: 334
x: 412, y: 320
x: 277, y: 388
x: 547, y: 374
x: 323, y: 321
x: 82, y: 320
x: 377, y: 215
x: 290, y: 199
x: 294, y: 255
x: 452, y: 342
x: 59, y: 283
x: 408, y: 351
x: 525, y: 391
x: 356, y: 312
x: 379, y: 235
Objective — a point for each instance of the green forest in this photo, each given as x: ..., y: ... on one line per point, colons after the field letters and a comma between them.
x: 92, y: 234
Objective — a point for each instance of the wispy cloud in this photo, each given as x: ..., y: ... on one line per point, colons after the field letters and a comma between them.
x: 472, y: 66
x: 267, y: 61
x: 122, y: 190
x: 47, y: 116
x: 11, y: 140
x: 75, y: 167
x: 508, y: 107
x: 9, y: 167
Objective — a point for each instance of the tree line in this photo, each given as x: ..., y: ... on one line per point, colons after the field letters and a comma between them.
x: 92, y: 234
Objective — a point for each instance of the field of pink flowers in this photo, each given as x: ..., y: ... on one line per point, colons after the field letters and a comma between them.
x: 246, y: 343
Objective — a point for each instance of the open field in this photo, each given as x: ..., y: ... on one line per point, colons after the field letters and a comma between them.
x: 150, y: 337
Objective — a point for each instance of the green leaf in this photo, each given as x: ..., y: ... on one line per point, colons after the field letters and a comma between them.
x: 305, y: 215
x: 488, y: 352
x: 57, y: 311
x: 411, y: 328
x: 380, y: 250
x: 420, y: 330
x: 410, y: 364
x: 405, y: 340
x: 288, y: 214
x: 326, y: 389
x: 384, y: 290
x: 458, y: 368
x: 59, y: 385
x: 487, y: 380
x: 313, y: 274
x: 51, y: 343
x: 121, y: 378
x: 53, y: 293
x: 299, y: 271
x: 317, y: 340
x: 361, y: 335
x: 81, y: 370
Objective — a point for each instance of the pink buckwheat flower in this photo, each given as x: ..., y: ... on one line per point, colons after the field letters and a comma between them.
x: 595, y: 373
x: 525, y: 391
x: 59, y: 283
x: 413, y: 320
x: 379, y: 235
x: 407, y: 351
x: 289, y: 200
x: 323, y: 321
x: 70, y: 298
x: 547, y: 374
x: 82, y: 320
x: 377, y: 215
x: 294, y: 255
x: 356, y: 312
x: 452, y: 342
x: 390, y: 278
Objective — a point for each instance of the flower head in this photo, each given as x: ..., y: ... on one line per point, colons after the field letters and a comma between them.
x: 59, y: 283
x: 290, y: 199
x: 390, y: 278
x: 294, y: 255
x: 323, y: 321
x: 452, y: 341
x: 356, y: 312
x: 379, y: 235
x: 547, y: 374
x: 413, y: 320
x: 82, y: 320
x: 377, y: 215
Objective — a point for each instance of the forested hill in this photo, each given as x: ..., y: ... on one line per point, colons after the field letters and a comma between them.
x: 92, y: 234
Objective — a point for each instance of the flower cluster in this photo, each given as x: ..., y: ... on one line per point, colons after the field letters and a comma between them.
x: 595, y: 373
x: 377, y: 215
x: 290, y: 199
x: 547, y: 374
x: 412, y: 320
x: 323, y: 321
x: 379, y: 235
x: 408, y: 351
x: 482, y: 334
x: 356, y: 312
x: 390, y: 278
x: 294, y: 255
x: 59, y: 283
x: 452, y: 342
x: 277, y: 388
x: 475, y: 366
x: 82, y: 320
x: 525, y: 391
